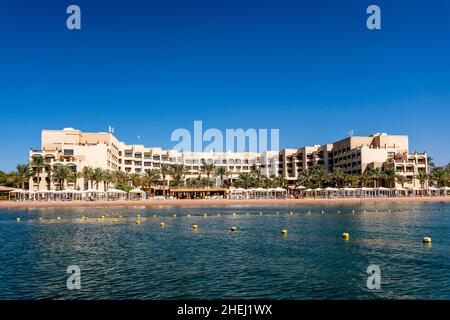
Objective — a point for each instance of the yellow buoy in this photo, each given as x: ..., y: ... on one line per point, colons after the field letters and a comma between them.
x: 154, y: 216
x: 345, y: 236
x: 162, y: 224
x: 248, y: 213
x: 98, y: 219
x: 426, y: 240
x: 205, y: 215
x: 284, y: 232
x: 103, y: 217
x: 188, y: 215
x: 174, y: 215
x: 18, y: 219
x: 339, y: 211
x: 309, y: 212
x: 138, y: 221
x: 322, y: 212
x: 277, y: 213
x: 260, y: 213
x: 114, y: 220
x: 195, y: 226
x: 218, y: 214
x: 234, y: 213
x: 233, y: 229
x: 40, y: 218
x: 58, y: 218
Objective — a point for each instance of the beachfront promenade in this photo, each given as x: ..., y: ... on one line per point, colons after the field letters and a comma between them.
x: 258, y: 196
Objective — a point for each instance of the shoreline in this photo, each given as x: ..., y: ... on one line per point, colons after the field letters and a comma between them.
x: 217, y: 202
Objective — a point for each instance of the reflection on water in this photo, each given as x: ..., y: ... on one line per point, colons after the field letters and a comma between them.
x: 124, y: 260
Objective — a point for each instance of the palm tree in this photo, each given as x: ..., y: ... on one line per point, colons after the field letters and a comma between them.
x: 365, y: 177
x: 280, y: 181
x: 352, y: 179
x: 87, y: 173
x: 320, y: 174
x: 49, y: 170
x: 422, y: 177
x: 60, y: 173
x: 38, y: 165
x: 222, y: 172
x: 73, y: 178
x: 3, y: 177
x: 208, y: 169
x: 430, y: 162
x: 178, y: 173
x: 377, y: 175
x: 440, y: 176
x: 267, y: 183
x: 257, y: 174
x: 389, y: 176
x: 165, y: 171
x: 21, y: 175
x: 149, y: 177
x: 245, y: 180
x: 338, y: 176
x: 97, y: 176
x: 136, y: 180
x: 306, y: 178
x: 120, y: 177
x: 400, y: 179
x: 108, y: 178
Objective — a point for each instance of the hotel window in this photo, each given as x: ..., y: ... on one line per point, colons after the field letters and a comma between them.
x: 68, y: 152
x: 138, y: 170
x: 147, y: 164
x: 156, y: 158
x: 138, y: 155
x: 224, y: 161
x: 391, y: 154
x: 216, y: 161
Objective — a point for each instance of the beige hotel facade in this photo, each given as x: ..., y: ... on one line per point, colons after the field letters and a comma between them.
x: 353, y: 155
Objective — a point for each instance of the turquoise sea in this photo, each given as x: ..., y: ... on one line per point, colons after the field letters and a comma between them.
x: 125, y: 260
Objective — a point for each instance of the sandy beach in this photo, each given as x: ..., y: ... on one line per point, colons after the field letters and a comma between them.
x: 218, y: 202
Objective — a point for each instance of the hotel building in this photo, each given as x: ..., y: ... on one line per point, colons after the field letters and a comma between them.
x: 353, y: 155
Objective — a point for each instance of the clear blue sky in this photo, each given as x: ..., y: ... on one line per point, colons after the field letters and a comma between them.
x: 310, y: 68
